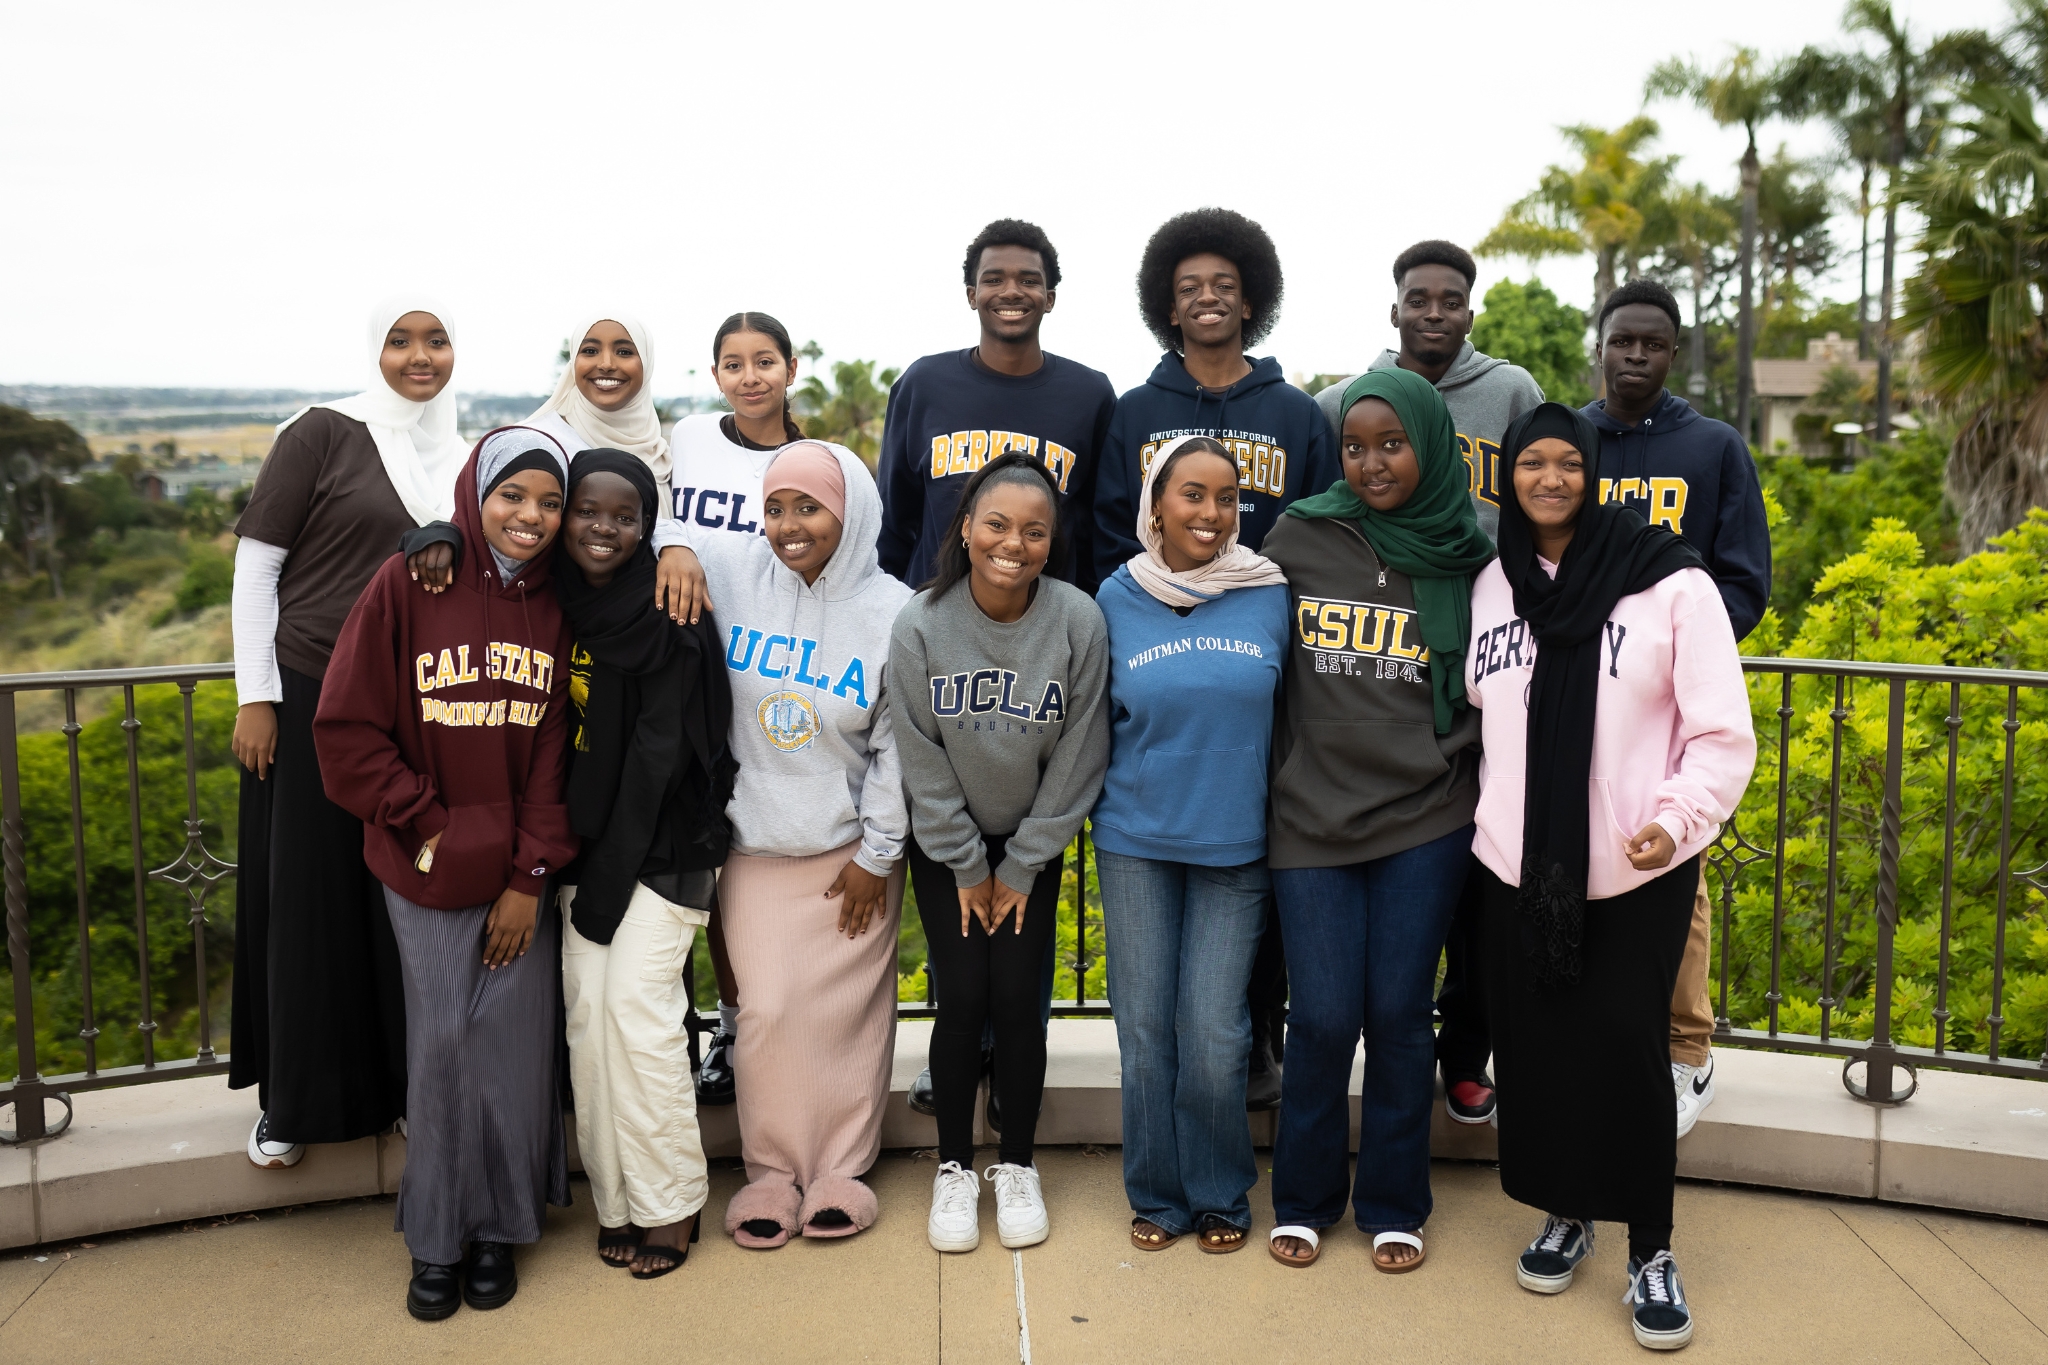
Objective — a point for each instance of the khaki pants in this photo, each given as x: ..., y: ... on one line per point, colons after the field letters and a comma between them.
x: 1692, y: 1009
x: 629, y: 1058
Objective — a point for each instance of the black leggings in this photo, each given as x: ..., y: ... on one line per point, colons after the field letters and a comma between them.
x: 982, y: 979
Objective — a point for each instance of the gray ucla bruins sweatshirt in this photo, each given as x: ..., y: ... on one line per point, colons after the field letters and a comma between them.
x: 1484, y: 394
x: 1001, y: 727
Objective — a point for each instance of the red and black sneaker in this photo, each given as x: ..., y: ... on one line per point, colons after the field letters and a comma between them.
x: 1469, y: 1100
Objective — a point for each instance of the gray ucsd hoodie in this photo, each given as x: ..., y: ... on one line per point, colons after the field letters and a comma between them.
x: 811, y: 724
x: 1484, y: 394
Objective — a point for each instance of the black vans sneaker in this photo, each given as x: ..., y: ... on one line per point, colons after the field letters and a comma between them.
x: 1656, y: 1301
x: 1547, y: 1266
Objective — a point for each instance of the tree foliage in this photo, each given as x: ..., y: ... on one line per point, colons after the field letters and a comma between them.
x: 1526, y: 324
x: 850, y: 409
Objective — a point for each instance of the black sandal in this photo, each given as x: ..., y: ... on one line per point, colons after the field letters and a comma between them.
x: 673, y: 1256
x: 612, y: 1241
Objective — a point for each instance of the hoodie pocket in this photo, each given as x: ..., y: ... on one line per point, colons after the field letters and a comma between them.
x: 1182, y: 793
x: 473, y: 860
x: 1340, y: 773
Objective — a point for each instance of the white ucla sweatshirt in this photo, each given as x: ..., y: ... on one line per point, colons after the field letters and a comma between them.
x: 808, y: 663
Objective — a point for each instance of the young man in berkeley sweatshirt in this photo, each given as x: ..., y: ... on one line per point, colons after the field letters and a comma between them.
x: 1433, y: 312
x: 1209, y: 286
x: 1696, y: 476
x: 953, y: 412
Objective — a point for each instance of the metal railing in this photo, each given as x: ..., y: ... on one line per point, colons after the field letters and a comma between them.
x: 1825, y: 881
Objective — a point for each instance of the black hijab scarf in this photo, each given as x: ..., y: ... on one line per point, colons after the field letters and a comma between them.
x: 1613, y: 554
x: 617, y: 624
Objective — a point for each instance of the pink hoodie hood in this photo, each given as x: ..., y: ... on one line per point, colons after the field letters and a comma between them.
x: 1672, y: 740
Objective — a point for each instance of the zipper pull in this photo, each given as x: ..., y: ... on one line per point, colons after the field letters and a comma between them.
x: 1383, y: 575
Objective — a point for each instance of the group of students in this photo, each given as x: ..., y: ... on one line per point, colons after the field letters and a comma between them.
x: 1421, y: 668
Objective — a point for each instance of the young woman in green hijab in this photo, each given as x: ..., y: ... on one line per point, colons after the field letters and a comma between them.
x: 1376, y: 777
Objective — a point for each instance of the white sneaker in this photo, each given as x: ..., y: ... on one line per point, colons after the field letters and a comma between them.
x: 1020, y: 1206
x: 955, y: 1224
x: 268, y: 1152
x: 1695, y: 1088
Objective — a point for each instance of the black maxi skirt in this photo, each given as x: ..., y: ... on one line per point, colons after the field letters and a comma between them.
x: 1583, y: 1073
x: 319, y: 1013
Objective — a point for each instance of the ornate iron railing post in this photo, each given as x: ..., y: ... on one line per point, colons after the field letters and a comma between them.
x: 28, y: 1088
x: 1880, y: 1056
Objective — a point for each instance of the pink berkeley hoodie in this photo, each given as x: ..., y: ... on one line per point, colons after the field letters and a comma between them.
x: 1671, y: 740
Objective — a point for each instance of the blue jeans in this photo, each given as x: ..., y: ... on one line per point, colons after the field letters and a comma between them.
x: 1362, y: 947
x: 1181, y: 941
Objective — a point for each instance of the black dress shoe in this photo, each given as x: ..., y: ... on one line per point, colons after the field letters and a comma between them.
x: 1262, y: 1081
x: 489, y: 1279
x: 921, y: 1094
x: 715, y: 1082
x: 435, y: 1291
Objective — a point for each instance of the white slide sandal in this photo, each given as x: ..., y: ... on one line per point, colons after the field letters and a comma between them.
x: 1406, y: 1239
x: 1315, y: 1245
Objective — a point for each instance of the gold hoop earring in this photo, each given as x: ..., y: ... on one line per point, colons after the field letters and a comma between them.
x: 1157, y: 524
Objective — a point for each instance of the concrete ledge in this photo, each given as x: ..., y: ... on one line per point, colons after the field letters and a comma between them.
x: 163, y: 1153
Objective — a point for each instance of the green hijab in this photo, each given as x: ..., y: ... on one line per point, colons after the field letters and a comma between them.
x: 1434, y: 537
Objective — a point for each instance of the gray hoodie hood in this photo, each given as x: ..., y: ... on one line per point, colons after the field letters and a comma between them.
x: 808, y: 661
x: 1484, y: 393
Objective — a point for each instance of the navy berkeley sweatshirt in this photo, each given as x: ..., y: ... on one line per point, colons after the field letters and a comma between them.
x: 1279, y: 436
x: 949, y: 415
x: 1696, y: 476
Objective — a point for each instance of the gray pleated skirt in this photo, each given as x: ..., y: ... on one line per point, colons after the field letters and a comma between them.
x: 484, y: 1148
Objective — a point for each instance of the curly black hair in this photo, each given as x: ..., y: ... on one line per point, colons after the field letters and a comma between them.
x: 1436, y: 252
x: 1639, y: 291
x: 1012, y: 232
x: 1225, y: 233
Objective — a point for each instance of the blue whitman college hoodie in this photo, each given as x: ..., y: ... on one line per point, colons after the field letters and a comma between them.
x: 1191, y: 723
x: 1696, y: 476
x: 1281, y: 441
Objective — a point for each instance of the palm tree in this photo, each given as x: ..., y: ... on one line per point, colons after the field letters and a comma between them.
x: 1793, y: 208
x: 1847, y: 89
x: 1599, y: 208
x: 1741, y: 90
x: 1694, y: 223
x: 1978, y: 304
x: 850, y: 412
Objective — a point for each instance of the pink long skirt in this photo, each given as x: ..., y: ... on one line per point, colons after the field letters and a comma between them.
x: 817, y: 1023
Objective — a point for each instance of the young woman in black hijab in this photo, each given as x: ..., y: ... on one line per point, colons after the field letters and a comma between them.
x: 1618, y: 738
x: 649, y: 777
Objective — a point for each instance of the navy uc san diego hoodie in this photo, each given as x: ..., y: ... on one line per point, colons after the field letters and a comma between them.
x: 1695, y: 475
x: 1280, y: 439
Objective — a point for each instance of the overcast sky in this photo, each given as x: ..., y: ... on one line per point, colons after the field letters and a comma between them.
x: 214, y: 194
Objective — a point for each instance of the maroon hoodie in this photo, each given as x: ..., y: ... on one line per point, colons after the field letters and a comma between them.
x: 449, y: 712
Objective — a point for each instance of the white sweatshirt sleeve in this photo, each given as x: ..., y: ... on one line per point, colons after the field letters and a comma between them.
x: 884, y: 815
x: 254, y: 614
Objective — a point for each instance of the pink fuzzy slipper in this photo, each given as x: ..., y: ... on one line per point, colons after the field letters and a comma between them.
x: 844, y: 1193
x: 770, y: 1201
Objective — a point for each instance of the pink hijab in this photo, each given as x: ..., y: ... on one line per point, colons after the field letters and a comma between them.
x: 1233, y: 567
x: 809, y: 467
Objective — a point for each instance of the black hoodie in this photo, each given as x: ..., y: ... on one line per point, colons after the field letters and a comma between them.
x: 1279, y: 436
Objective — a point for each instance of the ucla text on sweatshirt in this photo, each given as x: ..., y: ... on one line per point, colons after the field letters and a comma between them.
x: 1274, y: 431
x: 949, y: 415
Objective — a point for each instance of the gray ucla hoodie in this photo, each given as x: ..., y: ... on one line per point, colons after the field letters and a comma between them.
x: 1484, y: 394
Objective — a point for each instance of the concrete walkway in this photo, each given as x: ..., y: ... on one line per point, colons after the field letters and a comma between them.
x: 1775, y: 1278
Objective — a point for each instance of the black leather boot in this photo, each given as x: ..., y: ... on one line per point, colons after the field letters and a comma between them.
x: 1262, y: 1082
x: 489, y: 1279
x: 435, y: 1291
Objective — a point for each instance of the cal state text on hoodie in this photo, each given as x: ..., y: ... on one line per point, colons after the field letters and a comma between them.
x: 1694, y: 474
x: 1281, y: 443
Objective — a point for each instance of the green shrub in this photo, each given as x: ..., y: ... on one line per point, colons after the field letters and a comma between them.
x: 209, y: 580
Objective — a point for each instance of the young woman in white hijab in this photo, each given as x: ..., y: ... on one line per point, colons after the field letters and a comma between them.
x: 319, y: 1015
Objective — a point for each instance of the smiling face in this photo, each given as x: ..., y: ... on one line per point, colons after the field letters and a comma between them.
x: 803, y: 531
x: 1009, y: 536
x: 522, y: 514
x: 1636, y: 347
x: 418, y: 359
x: 609, y: 370
x: 1196, y: 503
x: 753, y: 375
x: 1010, y: 293
x: 1379, y: 462
x: 604, y: 526
x: 1550, y: 484
x: 1433, y: 313
x: 1209, y: 305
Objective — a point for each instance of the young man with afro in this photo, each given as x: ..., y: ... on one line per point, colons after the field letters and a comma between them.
x: 1687, y: 471
x: 1209, y: 287
x: 953, y: 412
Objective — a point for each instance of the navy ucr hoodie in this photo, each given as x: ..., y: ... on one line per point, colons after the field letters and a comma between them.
x: 1696, y: 476
x: 1279, y: 436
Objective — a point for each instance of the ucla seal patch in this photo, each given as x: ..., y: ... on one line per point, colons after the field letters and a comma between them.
x: 789, y: 720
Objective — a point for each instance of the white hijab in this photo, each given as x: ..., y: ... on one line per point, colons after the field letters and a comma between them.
x: 1233, y: 567
x: 635, y: 427
x: 418, y: 443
